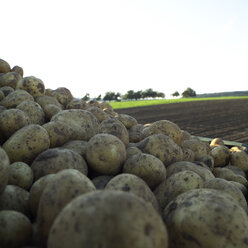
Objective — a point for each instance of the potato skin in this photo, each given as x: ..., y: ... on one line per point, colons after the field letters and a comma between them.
x: 10, y: 79
x: 4, y: 169
x: 208, y: 218
x: 113, y: 224
x: 26, y: 143
x: 239, y: 159
x: 221, y: 155
x: 63, y: 95
x: 4, y: 66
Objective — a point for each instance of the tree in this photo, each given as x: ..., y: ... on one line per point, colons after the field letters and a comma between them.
x: 99, y: 98
x: 86, y: 97
x: 112, y: 96
x: 175, y: 94
x: 189, y: 93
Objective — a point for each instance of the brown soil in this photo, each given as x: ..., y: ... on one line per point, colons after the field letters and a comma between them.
x: 226, y: 119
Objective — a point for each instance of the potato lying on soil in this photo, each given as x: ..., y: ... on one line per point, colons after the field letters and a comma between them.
x: 26, y: 143
x: 15, y: 198
x: 4, y: 66
x: 229, y: 188
x: 4, y: 169
x: 15, y: 98
x: 106, y: 161
x: 36, y: 192
x: 116, y: 128
x: 203, y: 172
x: 206, y: 218
x: 175, y: 185
x: 63, y: 95
x: 162, y: 147
x: 113, y: 223
x: 165, y: 127
x: 136, y: 133
x: 33, y: 110
x: 78, y: 146
x: 83, y: 123
x: 21, y: 175
x: 221, y: 155
x: 55, y: 159
x: 64, y: 187
x: 239, y: 159
x: 12, y: 120
x: 101, y: 181
x: 18, y: 69
x: 146, y: 166
x: 59, y: 133
x: 15, y: 229
x: 10, y: 79
x: 33, y: 85
x: 135, y: 185
x: 127, y: 120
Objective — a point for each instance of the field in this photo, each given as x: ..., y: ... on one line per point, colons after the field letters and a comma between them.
x: 224, y: 118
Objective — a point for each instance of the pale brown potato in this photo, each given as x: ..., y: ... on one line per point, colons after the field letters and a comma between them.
x: 15, y: 229
x: 63, y: 95
x: 120, y: 219
x: 127, y: 120
x: 78, y: 146
x: 36, y: 192
x: 162, y: 147
x: 45, y: 100
x: 21, y: 175
x: 206, y: 218
x: 175, y: 185
x: 15, y: 198
x: 54, y: 160
x: 26, y: 143
x: 77, y: 104
x: 239, y: 158
x: 33, y: 110
x: 221, y: 155
x: 227, y: 187
x: 136, y: 133
x: 18, y: 69
x: 33, y: 85
x: 98, y: 113
x: 135, y: 185
x: 186, y: 135
x: 4, y: 169
x: 10, y: 79
x: 116, y: 128
x: 15, y: 98
x: 188, y: 155
x: 12, y: 120
x: 165, y: 127
x: 216, y: 142
x: 59, y: 133
x: 83, y: 123
x: 50, y: 110
x: 132, y: 151
x: 4, y: 66
x: 63, y: 188
x: 106, y: 161
x: 146, y: 166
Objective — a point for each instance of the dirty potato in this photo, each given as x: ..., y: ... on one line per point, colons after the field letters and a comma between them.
x: 4, y: 169
x: 239, y: 158
x: 132, y: 151
x: 221, y: 155
x: 101, y: 181
x: 136, y: 133
x: 10, y: 79
x: 63, y: 95
x: 18, y: 69
x: 127, y: 120
x: 78, y: 146
x: 77, y: 104
x: 4, y: 66
x: 98, y: 113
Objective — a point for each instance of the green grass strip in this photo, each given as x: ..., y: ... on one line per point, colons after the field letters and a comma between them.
x: 142, y: 103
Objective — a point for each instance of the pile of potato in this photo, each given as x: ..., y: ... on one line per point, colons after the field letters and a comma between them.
x: 77, y: 174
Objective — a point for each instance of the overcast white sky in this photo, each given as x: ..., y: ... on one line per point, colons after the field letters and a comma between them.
x: 95, y: 46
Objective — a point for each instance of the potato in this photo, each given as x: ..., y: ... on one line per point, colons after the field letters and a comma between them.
x: 120, y: 219
x: 216, y: 142
x: 236, y: 170
x: 135, y: 185
x: 82, y: 122
x: 127, y: 120
x: 239, y: 159
x: 132, y: 151
x: 111, y: 113
x: 50, y: 110
x: 1, y: 95
x: 12, y: 120
x: 36, y: 192
x: 227, y: 187
x: 175, y: 185
x: 136, y: 133
x: 206, y: 218
x: 59, y: 133
x: 106, y: 161
x: 55, y: 159
x: 15, y: 229
x: 45, y: 100
x: 63, y: 95
x: 7, y: 90
x: 165, y: 127
x: 10, y: 79
x: 186, y: 135
x: 221, y: 155
x: 65, y: 186
x: 98, y: 113
x: 146, y: 166
x: 34, y: 86
x: 77, y: 104
x: 15, y: 198
x: 93, y: 103
x: 203, y: 172
x: 21, y: 175
x: 26, y: 143
x: 188, y: 155
x: 4, y: 169
x: 207, y: 160
x: 18, y: 69
x: 101, y: 181
x: 198, y: 147
x: 2, y: 108
x: 78, y: 146
x: 116, y: 128
x: 105, y: 105
x: 4, y: 66
x: 162, y: 147
x: 48, y: 92
x: 33, y: 110
x: 241, y: 187
x: 15, y: 98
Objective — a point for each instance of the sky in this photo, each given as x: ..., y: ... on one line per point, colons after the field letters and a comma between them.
x: 96, y: 46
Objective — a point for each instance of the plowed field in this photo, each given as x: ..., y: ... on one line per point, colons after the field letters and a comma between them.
x: 226, y: 119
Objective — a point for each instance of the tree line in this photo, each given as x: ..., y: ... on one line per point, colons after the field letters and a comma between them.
x: 138, y: 95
